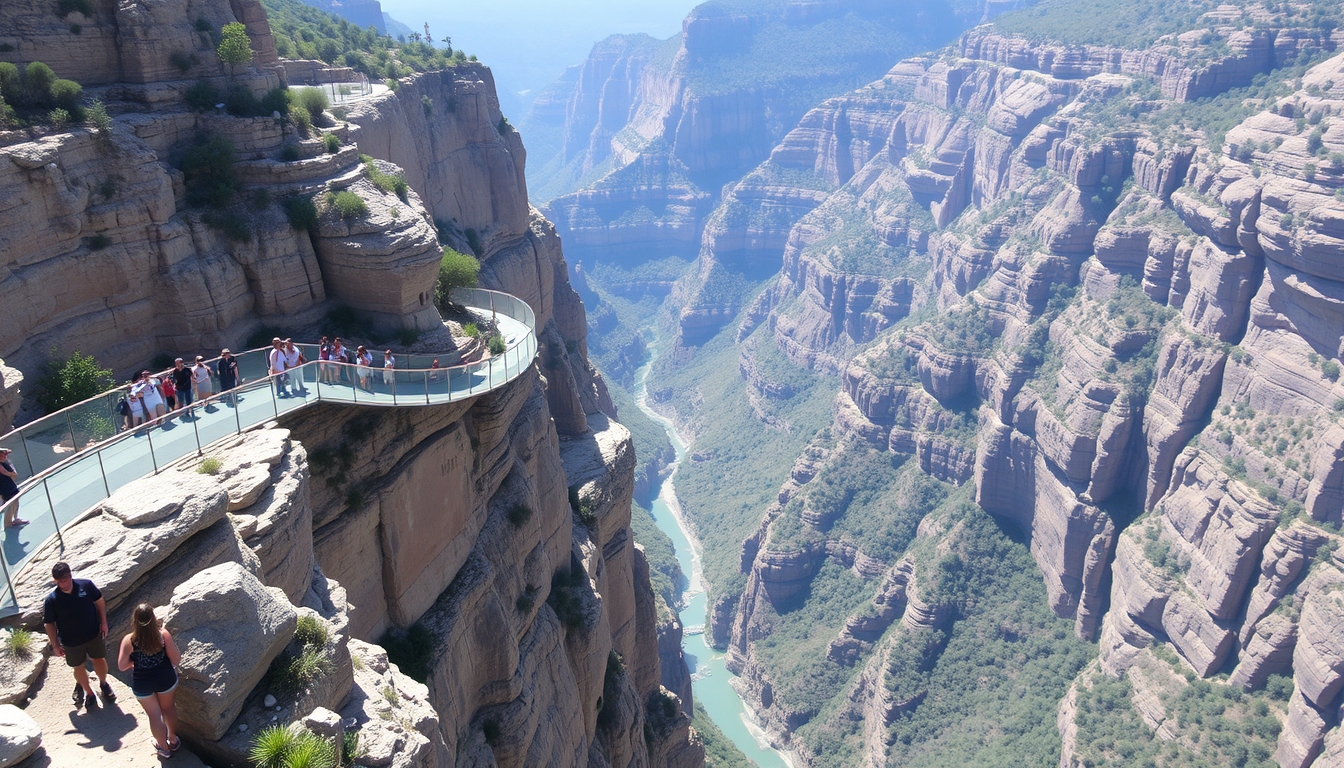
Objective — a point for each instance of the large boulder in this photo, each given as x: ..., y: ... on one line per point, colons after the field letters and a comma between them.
x: 125, y: 537
x: 19, y: 735
x: 229, y: 627
x: 397, y: 725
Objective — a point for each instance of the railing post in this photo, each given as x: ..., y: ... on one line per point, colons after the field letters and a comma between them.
x: 149, y: 435
x: 54, y: 519
x: 275, y: 395
x: 427, y: 387
x: 24, y: 442
x: 237, y: 419
x: 103, y: 471
x: 14, y: 596
x: 197, y: 430
x: 70, y: 424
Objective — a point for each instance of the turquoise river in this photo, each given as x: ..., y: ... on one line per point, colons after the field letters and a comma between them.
x: 712, y: 682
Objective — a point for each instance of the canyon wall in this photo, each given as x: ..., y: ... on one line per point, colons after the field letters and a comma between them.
x: 1118, y: 339
x: 640, y: 138
x: 498, y: 528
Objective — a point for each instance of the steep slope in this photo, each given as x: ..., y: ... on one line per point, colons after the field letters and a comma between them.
x: 1085, y: 284
x: 648, y: 131
x: 499, y: 528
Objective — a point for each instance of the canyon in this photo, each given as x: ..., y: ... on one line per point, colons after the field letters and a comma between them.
x: 451, y: 531
x: 1084, y: 288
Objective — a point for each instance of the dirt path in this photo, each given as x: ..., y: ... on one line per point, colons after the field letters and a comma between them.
x: 114, y: 735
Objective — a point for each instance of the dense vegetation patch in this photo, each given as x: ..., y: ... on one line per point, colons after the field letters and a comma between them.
x: 304, y: 32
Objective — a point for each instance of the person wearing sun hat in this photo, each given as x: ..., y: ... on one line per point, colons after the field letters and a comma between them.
x: 9, y: 490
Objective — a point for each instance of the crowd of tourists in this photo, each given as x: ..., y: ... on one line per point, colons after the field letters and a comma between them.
x: 150, y: 396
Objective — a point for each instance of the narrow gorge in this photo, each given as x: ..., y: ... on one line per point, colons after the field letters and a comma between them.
x: 1011, y: 388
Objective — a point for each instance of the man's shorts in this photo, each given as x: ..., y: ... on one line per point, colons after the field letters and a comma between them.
x: 94, y: 649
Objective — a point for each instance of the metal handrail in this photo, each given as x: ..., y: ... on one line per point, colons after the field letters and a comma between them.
x: 509, y: 306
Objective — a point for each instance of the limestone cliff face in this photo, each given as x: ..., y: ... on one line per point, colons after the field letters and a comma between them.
x: 499, y: 525
x: 1095, y: 322
x: 644, y: 133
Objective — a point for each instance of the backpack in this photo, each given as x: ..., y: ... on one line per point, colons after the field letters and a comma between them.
x: 123, y: 407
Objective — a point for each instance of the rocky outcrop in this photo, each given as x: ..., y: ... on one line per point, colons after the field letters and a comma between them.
x: 20, y: 735
x: 219, y: 616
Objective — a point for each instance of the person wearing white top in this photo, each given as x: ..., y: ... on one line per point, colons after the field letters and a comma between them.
x: 200, y: 378
x: 294, y: 359
x: 275, y: 361
x: 364, y: 361
x: 389, y: 368
x: 148, y: 390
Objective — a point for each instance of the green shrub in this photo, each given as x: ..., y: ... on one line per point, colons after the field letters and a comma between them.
x: 19, y: 642
x: 497, y: 345
x: 210, y: 465
x: 411, y: 650
x: 1331, y: 369
x: 208, y: 169
x: 526, y: 601
x: 182, y: 60
x: 331, y: 142
x: 311, y: 751
x: 59, y: 117
x: 312, y: 631
x: 387, y: 182
x: 519, y: 514
x: 456, y: 270
x: 233, y: 226
x: 71, y: 381
x: 291, y: 674
x: 392, y: 84
x: 350, y: 751
x: 347, y: 204
x: 471, y: 330
x: 301, y: 212
x: 301, y: 118
x: 11, y: 84
x: 96, y: 115
x: 37, y: 81
x: 504, y: 127
x: 314, y: 100
x: 202, y: 96
x: 99, y: 241
x: 290, y: 153
x: 66, y: 93
x: 272, y: 745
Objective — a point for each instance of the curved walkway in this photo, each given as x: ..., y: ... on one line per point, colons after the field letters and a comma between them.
x: 75, y: 458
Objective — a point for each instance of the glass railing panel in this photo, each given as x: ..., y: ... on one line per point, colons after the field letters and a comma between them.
x: 216, y: 419
x: 76, y: 487
x: 20, y: 543
x: 47, y: 443
x: 256, y: 402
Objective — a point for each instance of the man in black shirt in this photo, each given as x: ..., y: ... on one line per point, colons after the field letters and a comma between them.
x: 75, y: 616
x: 227, y: 369
x: 182, y: 383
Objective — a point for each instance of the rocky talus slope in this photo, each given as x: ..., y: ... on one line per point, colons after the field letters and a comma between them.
x: 489, y: 537
x: 1050, y: 284
x: 639, y: 138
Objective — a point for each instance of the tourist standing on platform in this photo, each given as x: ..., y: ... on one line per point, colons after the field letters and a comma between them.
x: 200, y: 379
x: 326, y: 370
x: 293, y: 359
x: 339, y: 354
x: 75, y: 617
x: 276, y: 365
x: 227, y: 369
x: 389, y: 369
x: 365, y: 362
x: 169, y: 391
x: 148, y: 389
x: 181, y: 376
x: 149, y: 651
x: 9, y: 490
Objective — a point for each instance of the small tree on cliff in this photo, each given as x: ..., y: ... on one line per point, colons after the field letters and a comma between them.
x: 457, y: 270
x: 235, y: 48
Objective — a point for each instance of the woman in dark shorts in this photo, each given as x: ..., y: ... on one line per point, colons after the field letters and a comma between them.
x: 9, y: 488
x: 149, y: 650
